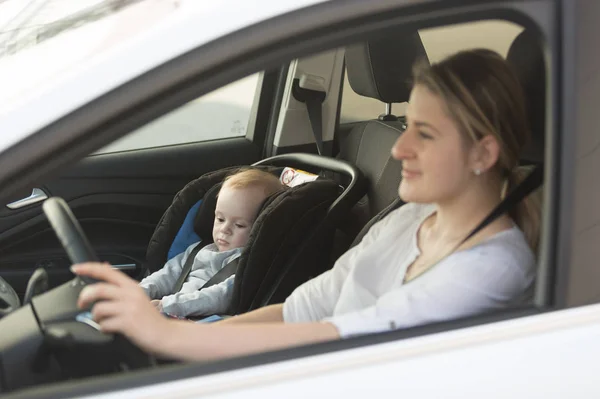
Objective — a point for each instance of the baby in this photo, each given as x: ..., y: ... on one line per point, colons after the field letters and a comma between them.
x: 238, y: 203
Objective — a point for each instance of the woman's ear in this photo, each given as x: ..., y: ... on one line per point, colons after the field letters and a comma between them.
x: 485, y: 153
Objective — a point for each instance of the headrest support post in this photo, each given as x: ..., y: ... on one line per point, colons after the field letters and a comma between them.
x: 388, y: 116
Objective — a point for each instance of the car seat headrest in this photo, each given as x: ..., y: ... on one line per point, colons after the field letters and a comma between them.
x: 527, y: 58
x: 381, y: 68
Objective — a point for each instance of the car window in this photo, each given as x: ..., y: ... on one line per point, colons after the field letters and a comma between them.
x: 223, y: 113
x: 438, y: 42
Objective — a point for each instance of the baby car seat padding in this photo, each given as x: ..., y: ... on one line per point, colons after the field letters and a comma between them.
x: 281, y: 230
x: 172, y: 221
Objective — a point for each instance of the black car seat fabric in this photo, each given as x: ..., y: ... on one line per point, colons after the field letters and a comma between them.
x: 179, y: 220
x: 397, y: 203
x: 527, y: 58
x: 380, y: 69
x: 290, y: 241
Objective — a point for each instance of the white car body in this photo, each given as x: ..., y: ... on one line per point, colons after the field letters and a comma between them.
x: 545, y: 356
x: 548, y: 355
x: 191, y: 24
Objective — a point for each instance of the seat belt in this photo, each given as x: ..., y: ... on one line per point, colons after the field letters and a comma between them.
x: 526, y: 187
x: 227, y: 271
x: 533, y: 181
x: 314, y: 105
x: 220, y: 276
x: 187, y: 268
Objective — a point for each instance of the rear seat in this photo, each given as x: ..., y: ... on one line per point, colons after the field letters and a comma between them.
x: 380, y: 69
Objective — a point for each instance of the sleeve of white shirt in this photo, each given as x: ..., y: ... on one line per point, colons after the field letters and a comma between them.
x: 162, y: 282
x: 209, y: 301
x: 475, y: 283
x: 316, y: 299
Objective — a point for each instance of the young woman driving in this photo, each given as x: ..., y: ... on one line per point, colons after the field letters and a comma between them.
x: 466, y: 127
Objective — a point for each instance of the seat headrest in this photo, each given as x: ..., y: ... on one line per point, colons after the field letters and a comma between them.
x: 527, y: 58
x: 381, y: 68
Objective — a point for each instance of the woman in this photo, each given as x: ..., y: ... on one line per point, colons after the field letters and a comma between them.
x: 466, y: 128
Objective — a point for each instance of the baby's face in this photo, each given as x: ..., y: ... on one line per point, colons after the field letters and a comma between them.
x: 235, y: 213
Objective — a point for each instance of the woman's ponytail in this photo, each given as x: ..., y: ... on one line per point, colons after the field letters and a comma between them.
x: 527, y: 213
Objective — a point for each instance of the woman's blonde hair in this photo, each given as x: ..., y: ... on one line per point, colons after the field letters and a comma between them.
x: 484, y: 96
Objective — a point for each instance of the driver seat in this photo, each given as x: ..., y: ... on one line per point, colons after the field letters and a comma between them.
x: 526, y: 57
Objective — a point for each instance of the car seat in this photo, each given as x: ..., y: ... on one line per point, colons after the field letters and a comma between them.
x: 526, y: 57
x: 380, y: 68
x: 290, y: 241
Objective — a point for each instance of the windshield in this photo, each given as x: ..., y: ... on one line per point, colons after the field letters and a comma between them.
x: 27, y: 23
x: 42, y: 39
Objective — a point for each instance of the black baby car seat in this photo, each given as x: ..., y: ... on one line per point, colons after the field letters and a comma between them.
x: 290, y: 241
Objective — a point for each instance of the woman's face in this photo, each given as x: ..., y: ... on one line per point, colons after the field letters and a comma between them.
x: 434, y: 154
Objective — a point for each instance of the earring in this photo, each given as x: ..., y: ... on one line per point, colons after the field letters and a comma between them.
x: 477, y: 172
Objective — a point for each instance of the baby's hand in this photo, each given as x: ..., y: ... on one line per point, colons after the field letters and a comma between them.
x: 157, y: 303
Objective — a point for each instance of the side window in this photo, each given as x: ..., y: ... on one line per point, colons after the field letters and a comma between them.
x: 439, y: 43
x: 223, y: 113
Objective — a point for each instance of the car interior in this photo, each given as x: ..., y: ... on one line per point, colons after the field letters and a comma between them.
x: 131, y: 203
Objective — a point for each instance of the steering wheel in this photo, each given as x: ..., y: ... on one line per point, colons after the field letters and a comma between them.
x: 49, y: 338
x: 69, y: 233
x: 78, y: 248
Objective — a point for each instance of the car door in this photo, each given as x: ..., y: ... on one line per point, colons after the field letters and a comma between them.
x: 377, y: 364
x: 120, y: 192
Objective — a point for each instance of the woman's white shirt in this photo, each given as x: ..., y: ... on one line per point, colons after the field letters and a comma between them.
x: 365, y: 291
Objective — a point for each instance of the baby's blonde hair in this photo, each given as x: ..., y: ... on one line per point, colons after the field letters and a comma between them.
x: 246, y: 178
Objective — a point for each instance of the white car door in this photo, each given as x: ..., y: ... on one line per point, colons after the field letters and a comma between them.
x: 541, y: 351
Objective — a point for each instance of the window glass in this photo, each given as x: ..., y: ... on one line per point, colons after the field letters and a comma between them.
x: 65, y: 34
x: 223, y: 113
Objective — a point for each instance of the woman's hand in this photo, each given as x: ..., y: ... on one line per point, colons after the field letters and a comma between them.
x: 121, y: 306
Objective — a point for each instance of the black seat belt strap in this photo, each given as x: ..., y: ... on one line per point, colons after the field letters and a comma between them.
x: 314, y: 105
x: 227, y: 271
x: 187, y: 268
x: 533, y: 181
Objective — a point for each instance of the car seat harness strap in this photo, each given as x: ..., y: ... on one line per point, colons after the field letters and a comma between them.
x: 187, y: 268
